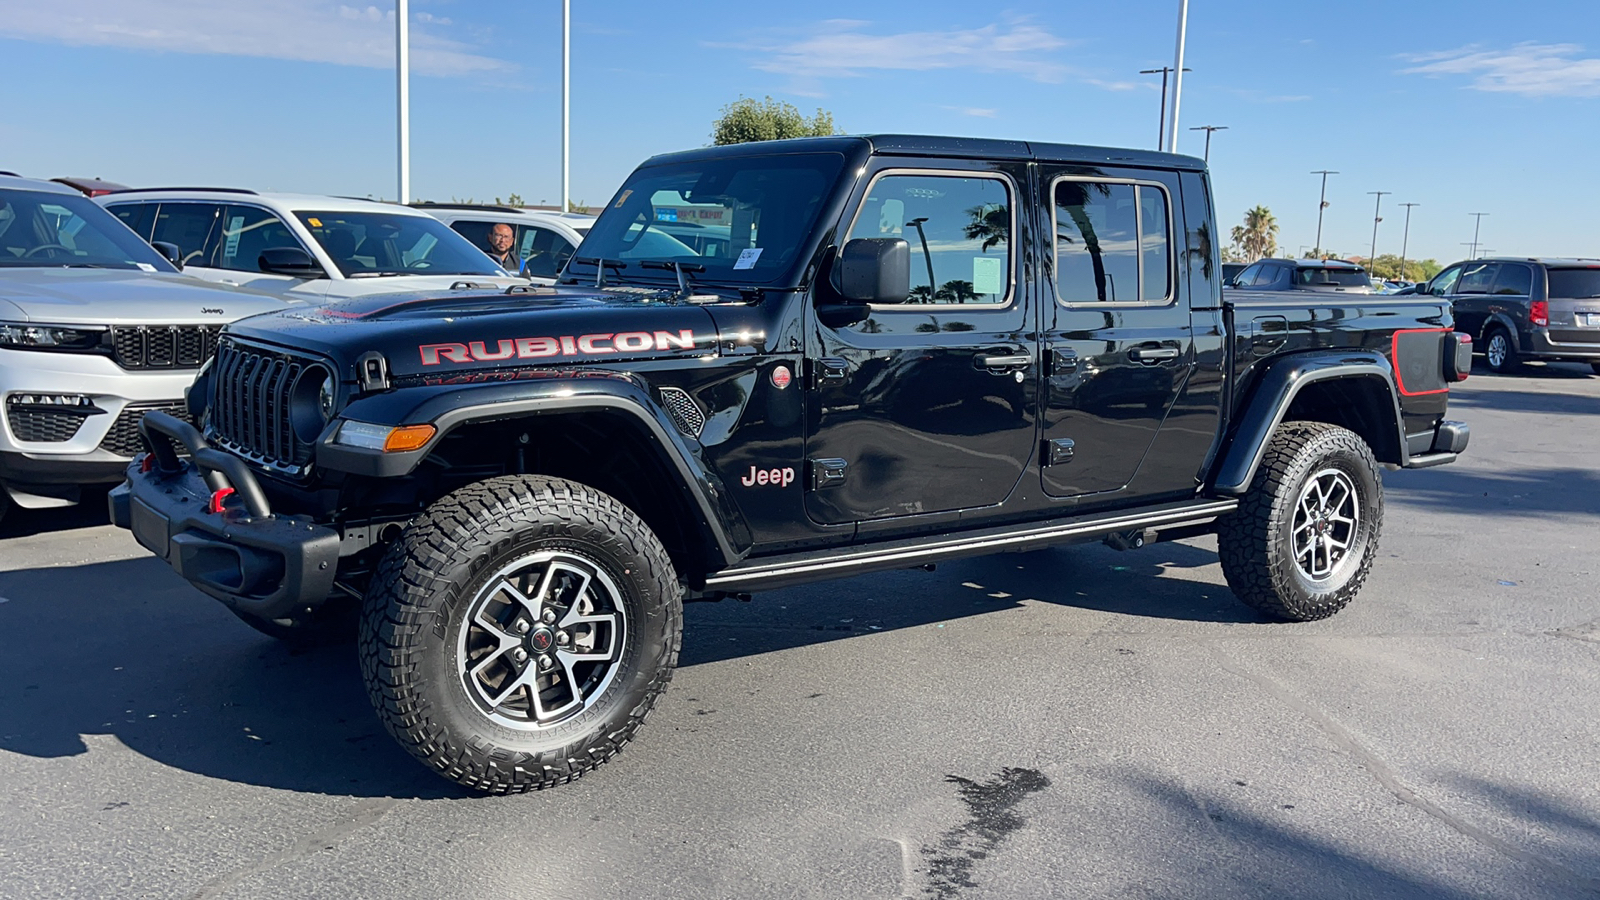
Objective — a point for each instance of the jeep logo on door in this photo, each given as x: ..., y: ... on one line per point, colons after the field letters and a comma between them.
x: 779, y: 477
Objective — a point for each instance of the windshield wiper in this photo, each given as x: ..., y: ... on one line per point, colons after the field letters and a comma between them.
x: 679, y: 268
x: 600, y: 267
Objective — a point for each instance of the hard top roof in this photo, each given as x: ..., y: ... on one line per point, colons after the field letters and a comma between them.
x: 281, y: 199
x: 934, y: 145
x: 18, y: 183
x: 1313, y: 263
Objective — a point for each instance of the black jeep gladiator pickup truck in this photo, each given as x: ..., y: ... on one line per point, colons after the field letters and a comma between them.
x: 899, y: 350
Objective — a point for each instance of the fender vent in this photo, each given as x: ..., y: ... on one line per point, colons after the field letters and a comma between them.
x: 684, y: 411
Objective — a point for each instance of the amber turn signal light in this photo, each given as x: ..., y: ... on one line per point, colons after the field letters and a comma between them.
x: 407, y: 437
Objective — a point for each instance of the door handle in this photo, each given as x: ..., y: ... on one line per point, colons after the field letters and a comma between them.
x: 1152, y: 354
x: 1010, y: 361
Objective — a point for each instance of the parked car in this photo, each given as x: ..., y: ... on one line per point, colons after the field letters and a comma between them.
x: 306, y: 246
x: 544, y: 240
x: 96, y: 330
x: 514, y: 496
x: 1531, y: 308
x: 1231, y: 271
x: 91, y: 187
x: 1303, y: 275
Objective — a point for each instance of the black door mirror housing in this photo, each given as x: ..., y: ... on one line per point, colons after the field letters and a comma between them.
x: 875, y: 270
x: 291, y: 261
x: 170, y: 252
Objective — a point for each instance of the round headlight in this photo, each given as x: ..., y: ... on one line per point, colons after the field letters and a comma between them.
x: 327, y: 396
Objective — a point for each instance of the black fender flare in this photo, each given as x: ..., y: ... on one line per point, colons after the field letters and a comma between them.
x: 1274, y: 391
x: 450, y: 406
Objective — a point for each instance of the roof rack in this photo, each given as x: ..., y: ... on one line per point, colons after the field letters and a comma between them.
x: 485, y: 207
x: 215, y: 190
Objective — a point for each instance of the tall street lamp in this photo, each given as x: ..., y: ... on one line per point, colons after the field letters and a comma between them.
x: 1161, y: 117
x: 566, y: 106
x: 1376, y: 218
x: 921, y: 235
x: 1405, y: 239
x: 1476, y: 225
x: 1208, y: 129
x: 1322, y: 204
x: 402, y: 66
x: 1177, y: 75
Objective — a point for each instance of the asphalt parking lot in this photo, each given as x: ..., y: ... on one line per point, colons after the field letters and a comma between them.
x: 1065, y: 723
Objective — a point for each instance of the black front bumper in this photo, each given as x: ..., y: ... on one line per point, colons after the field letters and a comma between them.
x: 268, y: 565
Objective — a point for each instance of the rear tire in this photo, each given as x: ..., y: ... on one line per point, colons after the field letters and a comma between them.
x: 1302, y: 541
x: 517, y: 633
x: 1500, y: 353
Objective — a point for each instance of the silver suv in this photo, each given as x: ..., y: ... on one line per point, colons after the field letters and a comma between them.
x: 96, y: 329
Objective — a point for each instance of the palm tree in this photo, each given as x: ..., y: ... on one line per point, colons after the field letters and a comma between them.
x: 957, y: 292
x: 990, y: 221
x: 1258, y: 236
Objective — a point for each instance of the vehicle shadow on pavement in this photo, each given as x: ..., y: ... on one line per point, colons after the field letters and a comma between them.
x: 1523, y: 401
x: 1155, y: 583
x: 128, y: 649
x: 1527, y: 492
x: 1291, y: 853
x: 89, y: 512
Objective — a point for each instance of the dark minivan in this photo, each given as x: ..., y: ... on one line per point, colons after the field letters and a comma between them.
x: 1526, y: 309
x: 1303, y: 275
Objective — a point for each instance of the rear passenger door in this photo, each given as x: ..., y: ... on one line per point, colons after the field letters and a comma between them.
x: 1118, y: 345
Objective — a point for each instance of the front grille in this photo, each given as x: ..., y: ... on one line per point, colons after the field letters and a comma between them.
x: 684, y: 411
x: 163, y: 346
x: 250, y: 391
x: 123, y: 438
x: 45, y: 425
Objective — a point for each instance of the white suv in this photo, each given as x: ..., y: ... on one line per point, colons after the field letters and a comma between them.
x: 543, y: 240
x: 305, y: 246
x: 96, y: 329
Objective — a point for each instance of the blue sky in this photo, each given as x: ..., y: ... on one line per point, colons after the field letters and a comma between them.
x: 1459, y: 106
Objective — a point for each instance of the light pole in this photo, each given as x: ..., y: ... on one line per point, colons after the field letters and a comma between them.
x: 1208, y: 129
x: 1405, y: 239
x: 1177, y: 75
x: 1322, y: 204
x: 1476, y: 225
x: 566, y: 106
x: 917, y: 224
x: 1161, y: 117
x: 402, y: 66
x: 1376, y: 218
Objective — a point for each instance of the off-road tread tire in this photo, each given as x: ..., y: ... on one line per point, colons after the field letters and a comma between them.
x: 1248, y: 538
x: 1513, y: 361
x: 408, y: 596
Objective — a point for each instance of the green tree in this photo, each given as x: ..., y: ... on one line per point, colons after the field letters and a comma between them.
x: 990, y: 221
x: 1387, y: 265
x: 746, y: 119
x: 1258, y: 236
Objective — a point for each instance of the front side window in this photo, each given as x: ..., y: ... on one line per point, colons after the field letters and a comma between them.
x: 1112, y: 243
x: 544, y: 252
x: 958, y: 228
x: 40, y: 229
x: 246, y: 231
x: 1514, y: 279
x: 1445, y: 282
x: 1248, y: 276
x: 189, y: 226
x: 1476, y: 278
x: 373, y: 244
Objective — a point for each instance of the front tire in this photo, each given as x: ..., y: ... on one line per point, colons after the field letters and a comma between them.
x: 517, y: 634
x: 1500, y: 353
x: 1302, y: 541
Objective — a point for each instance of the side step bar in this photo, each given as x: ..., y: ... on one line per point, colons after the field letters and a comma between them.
x: 776, y: 572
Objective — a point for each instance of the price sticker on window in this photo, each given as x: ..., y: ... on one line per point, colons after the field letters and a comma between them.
x: 986, y: 275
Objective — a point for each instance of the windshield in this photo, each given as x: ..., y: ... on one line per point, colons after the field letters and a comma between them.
x: 1575, y: 284
x: 1331, y: 277
x: 374, y: 244
x: 743, y: 219
x: 39, y: 229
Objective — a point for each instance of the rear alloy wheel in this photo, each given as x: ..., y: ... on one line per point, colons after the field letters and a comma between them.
x: 1500, y: 353
x: 517, y: 634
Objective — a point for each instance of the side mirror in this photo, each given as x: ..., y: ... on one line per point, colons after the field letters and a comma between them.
x: 291, y: 261
x: 875, y: 270
x: 170, y: 252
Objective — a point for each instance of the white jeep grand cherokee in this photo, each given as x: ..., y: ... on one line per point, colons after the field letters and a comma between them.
x: 96, y: 329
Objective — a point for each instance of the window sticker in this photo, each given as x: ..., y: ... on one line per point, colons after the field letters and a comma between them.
x: 624, y: 198
x: 230, y: 248
x: 986, y: 275
x: 146, y: 267
x: 747, y: 258
x: 314, y: 222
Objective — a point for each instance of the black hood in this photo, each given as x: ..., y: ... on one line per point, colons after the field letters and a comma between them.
x: 431, y: 334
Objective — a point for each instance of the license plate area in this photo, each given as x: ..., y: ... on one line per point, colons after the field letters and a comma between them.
x: 1587, y: 319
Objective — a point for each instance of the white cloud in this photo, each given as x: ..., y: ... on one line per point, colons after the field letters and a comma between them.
x: 302, y: 30
x: 843, y: 48
x: 979, y: 111
x: 1529, y: 69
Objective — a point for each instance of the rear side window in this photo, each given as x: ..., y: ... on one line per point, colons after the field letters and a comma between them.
x: 1514, y: 279
x: 959, y: 230
x: 190, y: 226
x: 1112, y: 243
x: 1318, y: 276
x: 1476, y: 278
x: 1575, y: 284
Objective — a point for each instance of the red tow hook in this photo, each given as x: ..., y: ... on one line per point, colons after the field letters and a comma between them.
x: 147, y: 462
x: 217, y: 497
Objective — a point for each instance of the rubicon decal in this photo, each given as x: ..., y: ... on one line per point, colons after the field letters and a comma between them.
x: 778, y: 477
x: 565, y: 345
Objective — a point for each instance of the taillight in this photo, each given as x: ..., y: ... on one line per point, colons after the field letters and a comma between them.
x: 1539, y: 312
